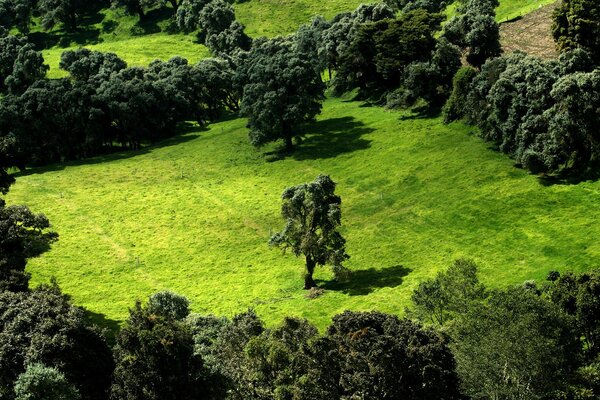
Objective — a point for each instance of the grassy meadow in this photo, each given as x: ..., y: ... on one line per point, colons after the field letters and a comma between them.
x: 193, y: 214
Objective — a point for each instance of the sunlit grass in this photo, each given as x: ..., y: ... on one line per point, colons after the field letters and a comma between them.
x: 194, y: 215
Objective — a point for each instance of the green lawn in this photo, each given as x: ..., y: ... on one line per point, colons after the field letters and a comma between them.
x: 194, y: 214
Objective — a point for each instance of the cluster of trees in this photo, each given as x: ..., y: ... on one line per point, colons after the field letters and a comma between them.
x: 542, y: 113
x: 102, y: 103
x: 535, y: 341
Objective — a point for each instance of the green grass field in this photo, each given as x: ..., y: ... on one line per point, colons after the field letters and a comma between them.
x: 139, y: 44
x: 194, y: 213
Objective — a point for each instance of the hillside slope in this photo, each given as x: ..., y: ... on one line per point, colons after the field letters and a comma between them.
x: 139, y: 44
x: 194, y: 214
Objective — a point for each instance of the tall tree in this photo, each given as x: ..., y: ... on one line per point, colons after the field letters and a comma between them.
x: 66, y: 12
x: 20, y: 64
x: 17, y: 13
x: 312, y: 213
x: 281, y: 91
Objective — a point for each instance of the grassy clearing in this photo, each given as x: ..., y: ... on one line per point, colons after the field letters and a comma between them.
x: 510, y: 9
x: 194, y: 214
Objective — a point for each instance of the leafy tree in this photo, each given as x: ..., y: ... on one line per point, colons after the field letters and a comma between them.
x: 343, y: 28
x: 454, y: 109
x: 577, y: 25
x: 218, y: 87
x: 84, y: 64
x: 43, y: 327
x: 514, y: 346
x: 383, y: 357
x: 308, y: 39
x: 17, y: 13
x: 155, y: 358
x: 573, y: 140
x: 23, y: 235
x: 216, y: 16
x: 430, y: 80
x: 380, y: 51
x: 39, y: 382
x: 281, y: 91
x: 579, y: 295
x: 229, y: 40
x: 433, y: 6
x: 449, y: 294
x: 20, y: 64
x: 312, y: 213
x: 475, y: 30
x: 188, y: 14
x: 66, y: 12
x: 169, y: 304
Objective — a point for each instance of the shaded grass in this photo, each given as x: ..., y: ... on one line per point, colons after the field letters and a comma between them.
x: 194, y: 215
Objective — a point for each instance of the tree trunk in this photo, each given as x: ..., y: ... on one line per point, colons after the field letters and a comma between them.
x: 289, y: 145
x: 309, y: 283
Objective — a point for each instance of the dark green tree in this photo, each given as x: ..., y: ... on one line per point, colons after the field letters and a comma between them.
x: 42, y: 326
x: 155, y: 358
x: 39, y: 382
x: 449, y: 294
x: 17, y: 13
x: 516, y: 345
x: 577, y: 25
x: 313, y: 215
x: 66, y: 12
x: 23, y: 235
x: 454, y: 109
x: 20, y: 64
x: 475, y: 30
x: 383, y: 357
x: 188, y: 14
x: 281, y: 91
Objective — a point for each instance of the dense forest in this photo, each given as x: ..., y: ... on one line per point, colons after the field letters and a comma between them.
x: 458, y: 339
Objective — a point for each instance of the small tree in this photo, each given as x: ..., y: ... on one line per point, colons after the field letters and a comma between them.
x: 313, y: 214
x: 39, y: 382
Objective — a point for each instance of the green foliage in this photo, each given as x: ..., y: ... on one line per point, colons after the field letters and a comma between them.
x: 155, y: 358
x: 476, y: 30
x: 312, y: 213
x: 23, y: 235
x: 378, y: 52
x: 43, y: 327
x: 579, y: 295
x: 188, y: 14
x: 67, y: 12
x: 169, y: 305
x: 281, y: 91
x: 20, y: 64
x: 449, y: 294
x: 17, y: 13
x: 383, y: 357
x: 39, y: 382
x: 454, y: 109
x: 577, y: 25
x: 515, y: 345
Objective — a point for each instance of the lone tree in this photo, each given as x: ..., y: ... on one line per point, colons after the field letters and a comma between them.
x: 281, y: 91
x: 312, y: 213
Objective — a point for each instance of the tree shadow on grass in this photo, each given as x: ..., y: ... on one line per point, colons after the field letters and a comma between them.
x: 187, y: 134
x: 327, y: 139
x: 100, y: 320
x: 422, y: 112
x: 569, y: 177
x: 365, y: 281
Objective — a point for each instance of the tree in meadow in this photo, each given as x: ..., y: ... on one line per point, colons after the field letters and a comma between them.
x: 313, y: 215
x: 281, y: 91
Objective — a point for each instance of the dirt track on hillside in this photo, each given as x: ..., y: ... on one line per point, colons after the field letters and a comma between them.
x: 531, y: 34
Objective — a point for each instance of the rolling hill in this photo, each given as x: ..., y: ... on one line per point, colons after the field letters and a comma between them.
x: 193, y: 214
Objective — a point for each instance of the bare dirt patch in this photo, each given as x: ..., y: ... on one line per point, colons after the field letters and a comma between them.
x: 531, y: 34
